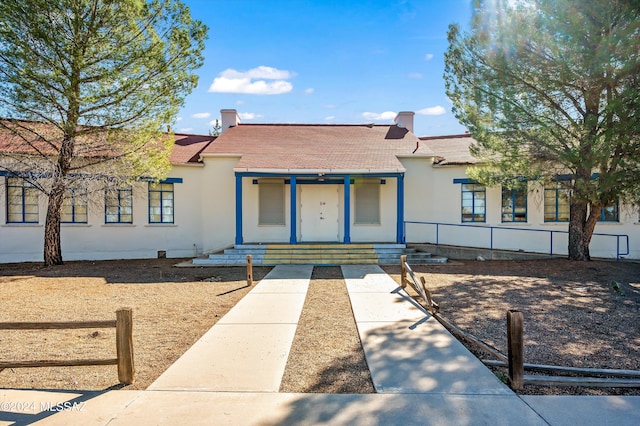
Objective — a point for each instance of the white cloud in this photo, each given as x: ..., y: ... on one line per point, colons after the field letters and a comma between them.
x: 436, y: 110
x: 201, y: 115
x: 240, y: 102
x: 249, y: 115
x: 330, y: 118
x: 178, y: 119
x: 267, y: 73
x: 186, y: 129
x: 253, y: 81
x: 383, y: 116
x: 428, y: 56
x: 415, y: 75
x: 309, y: 91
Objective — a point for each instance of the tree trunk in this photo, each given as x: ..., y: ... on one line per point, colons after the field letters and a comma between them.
x: 578, y: 247
x: 52, y: 245
x: 581, y: 227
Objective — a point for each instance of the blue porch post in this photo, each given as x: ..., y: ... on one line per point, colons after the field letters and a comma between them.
x: 400, y: 237
x: 293, y: 238
x: 347, y: 209
x: 239, y: 238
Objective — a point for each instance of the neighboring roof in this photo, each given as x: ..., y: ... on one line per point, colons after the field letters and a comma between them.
x: 187, y: 148
x: 451, y: 150
x: 317, y: 147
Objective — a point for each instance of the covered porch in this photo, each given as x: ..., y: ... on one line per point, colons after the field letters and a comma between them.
x: 319, y: 206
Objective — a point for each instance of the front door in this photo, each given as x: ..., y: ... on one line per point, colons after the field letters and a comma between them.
x: 319, y: 212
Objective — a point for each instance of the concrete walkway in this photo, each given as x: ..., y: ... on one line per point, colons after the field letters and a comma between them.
x: 231, y: 376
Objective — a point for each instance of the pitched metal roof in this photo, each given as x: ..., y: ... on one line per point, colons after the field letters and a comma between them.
x: 317, y: 147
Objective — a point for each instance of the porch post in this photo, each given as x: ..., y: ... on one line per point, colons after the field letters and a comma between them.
x: 293, y: 238
x: 239, y: 238
x: 400, y: 237
x: 347, y: 209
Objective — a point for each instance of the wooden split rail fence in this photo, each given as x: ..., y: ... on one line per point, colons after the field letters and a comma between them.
x: 124, y: 344
x: 514, y: 360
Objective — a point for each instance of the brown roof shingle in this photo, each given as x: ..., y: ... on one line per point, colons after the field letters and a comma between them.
x: 187, y: 148
x: 313, y: 147
x: 450, y: 150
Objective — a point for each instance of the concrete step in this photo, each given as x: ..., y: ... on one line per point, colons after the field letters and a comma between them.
x: 318, y: 254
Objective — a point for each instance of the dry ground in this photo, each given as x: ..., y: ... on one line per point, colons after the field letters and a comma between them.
x: 576, y: 314
x: 172, y: 308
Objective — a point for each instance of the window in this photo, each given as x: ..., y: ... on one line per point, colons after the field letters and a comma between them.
x: 74, y: 206
x: 22, y: 201
x: 161, y: 202
x: 610, y: 213
x: 556, y: 203
x: 118, y: 206
x: 473, y: 203
x: 367, y: 202
x: 271, y: 203
x: 514, y: 205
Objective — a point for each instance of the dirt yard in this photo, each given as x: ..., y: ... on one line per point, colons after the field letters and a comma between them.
x: 576, y: 314
x: 172, y: 308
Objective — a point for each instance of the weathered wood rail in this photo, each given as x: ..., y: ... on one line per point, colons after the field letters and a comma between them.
x: 124, y: 344
x: 514, y: 360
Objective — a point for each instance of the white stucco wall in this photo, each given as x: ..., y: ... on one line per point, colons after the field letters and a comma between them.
x: 433, y: 197
x: 96, y: 240
x: 218, y: 203
x: 205, y: 219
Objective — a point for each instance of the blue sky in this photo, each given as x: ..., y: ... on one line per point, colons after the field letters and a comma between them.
x: 324, y: 61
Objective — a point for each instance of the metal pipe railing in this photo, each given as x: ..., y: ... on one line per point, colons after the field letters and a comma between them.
x: 618, y: 237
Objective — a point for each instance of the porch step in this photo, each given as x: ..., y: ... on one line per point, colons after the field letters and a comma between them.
x: 317, y: 254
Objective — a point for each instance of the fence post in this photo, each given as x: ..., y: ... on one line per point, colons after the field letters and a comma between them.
x: 249, y: 270
x: 515, y: 349
x: 403, y: 271
x: 124, y: 345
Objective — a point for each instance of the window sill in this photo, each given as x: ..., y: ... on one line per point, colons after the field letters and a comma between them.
x: 118, y: 225
x: 22, y: 225
x: 160, y: 225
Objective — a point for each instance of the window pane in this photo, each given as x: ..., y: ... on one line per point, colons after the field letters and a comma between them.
x: 22, y: 201
x: 473, y: 203
x: 161, y: 206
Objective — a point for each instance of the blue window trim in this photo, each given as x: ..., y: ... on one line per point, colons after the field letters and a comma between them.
x: 513, y: 196
x: 473, y: 204
x: 121, y: 194
x: 171, y: 180
x: 173, y: 206
x: 464, y: 181
x: 23, y: 193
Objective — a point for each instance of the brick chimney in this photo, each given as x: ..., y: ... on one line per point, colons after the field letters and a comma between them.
x: 229, y: 118
x: 405, y: 119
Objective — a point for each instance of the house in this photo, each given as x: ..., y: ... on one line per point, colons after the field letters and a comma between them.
x: 306, y: 183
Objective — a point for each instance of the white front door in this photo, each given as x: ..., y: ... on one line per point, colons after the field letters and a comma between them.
x: 319, y: 213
